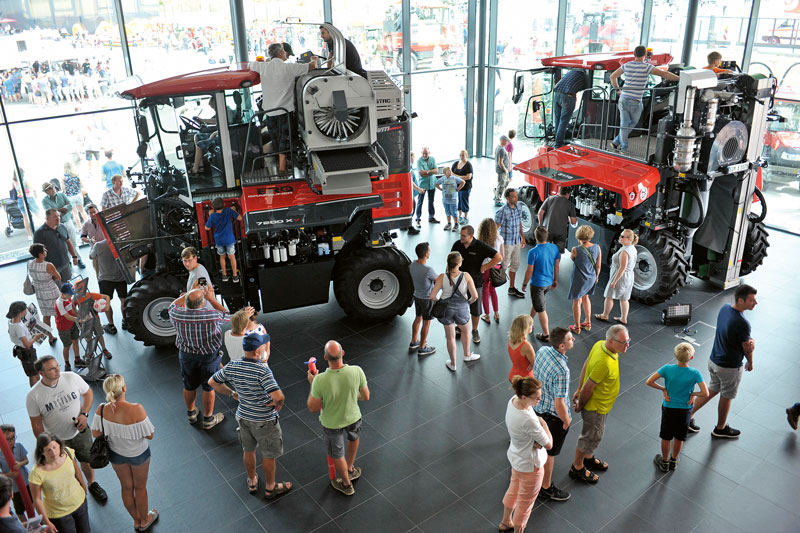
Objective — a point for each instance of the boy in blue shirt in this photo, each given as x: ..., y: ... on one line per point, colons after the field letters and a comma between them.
x: 222, y: 221
x: 542, y: 272
x: 21, y: 458
x: 676, y: 409
x: 450, y: 185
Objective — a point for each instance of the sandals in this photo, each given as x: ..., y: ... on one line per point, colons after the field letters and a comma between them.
x: 280, y: 488
x: 619, y: 319
x: 584, y: 474
x: 253, y: 487
x: 587, y: 326
x: 593, y: 463
x: 601, y: 318
x: 502, y: 528
x: 575, y: 329
x: 150, y: 513
x: 542, y: 337
x: 497, y: 317
x: 486, y: 319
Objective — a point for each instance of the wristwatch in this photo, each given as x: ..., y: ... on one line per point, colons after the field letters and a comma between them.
x: 84, y: 414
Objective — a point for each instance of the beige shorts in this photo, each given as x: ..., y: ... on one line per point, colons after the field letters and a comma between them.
x: 511, y: 257
x: 725, y: 381
x: 592, y: 432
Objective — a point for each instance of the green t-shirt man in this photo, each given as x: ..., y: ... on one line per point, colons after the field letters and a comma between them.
x: 338, y: 390
x: 602, y: 367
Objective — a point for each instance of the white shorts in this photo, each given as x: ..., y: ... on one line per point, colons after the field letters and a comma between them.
x: 511, y: 257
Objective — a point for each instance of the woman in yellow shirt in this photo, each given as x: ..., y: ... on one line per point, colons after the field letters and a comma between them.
x: 57, y: 486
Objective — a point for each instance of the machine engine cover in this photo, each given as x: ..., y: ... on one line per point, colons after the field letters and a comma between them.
x: 727, y: 147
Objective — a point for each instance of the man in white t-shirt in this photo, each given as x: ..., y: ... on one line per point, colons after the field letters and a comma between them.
x: 277, y: 86
x: 59, y: 404
x: 196, y: 271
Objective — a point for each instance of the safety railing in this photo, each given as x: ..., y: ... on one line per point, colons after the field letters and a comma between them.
x: 598, y: 122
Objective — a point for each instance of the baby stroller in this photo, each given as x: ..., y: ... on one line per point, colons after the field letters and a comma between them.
x: 14, y: 214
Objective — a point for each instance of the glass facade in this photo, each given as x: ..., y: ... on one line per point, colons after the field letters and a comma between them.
x: 62, y: 63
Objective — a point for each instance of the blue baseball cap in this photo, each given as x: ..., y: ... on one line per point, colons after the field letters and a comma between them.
x: 66, y: 288
x: 253, y: 341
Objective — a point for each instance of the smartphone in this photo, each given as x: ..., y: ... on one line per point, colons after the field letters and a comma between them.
x: 201, y: 282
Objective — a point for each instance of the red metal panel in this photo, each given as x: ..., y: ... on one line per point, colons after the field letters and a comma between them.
x: 601, y: 61
x: 634, y: 181
x: 201, y: 82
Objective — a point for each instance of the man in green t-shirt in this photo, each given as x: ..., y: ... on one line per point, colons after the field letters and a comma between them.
x: 335, y: 394
x: 595, y: 398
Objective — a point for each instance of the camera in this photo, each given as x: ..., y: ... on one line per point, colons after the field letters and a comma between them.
x: 202, y: 281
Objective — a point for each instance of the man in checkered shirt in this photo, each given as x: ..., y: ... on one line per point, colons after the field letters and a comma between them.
x: 550, y: 367
x: 118, y: 195
x: 509, y: 226
x: 199, y: 339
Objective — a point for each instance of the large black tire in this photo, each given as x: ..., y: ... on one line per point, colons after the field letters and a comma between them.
x: 661, y: 268
x: 146, y: 309
x: 373, y: 284
x: 529, y: 205
x: 755, y: 247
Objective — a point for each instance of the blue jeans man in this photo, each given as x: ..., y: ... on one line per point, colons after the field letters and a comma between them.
x: 629, y: 113
x: 431, y: 194
x: 563, y: 106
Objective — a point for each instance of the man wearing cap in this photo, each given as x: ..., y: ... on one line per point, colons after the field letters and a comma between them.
x: 277, y: 86
x: 199, y: 339
x: 60, y: 202
x: 335, y: 395
x: 250, y: 381
x: 55, y: 238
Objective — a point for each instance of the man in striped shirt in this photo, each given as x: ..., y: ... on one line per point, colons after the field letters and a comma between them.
x: 250, y: 381
x: 630, y: 105
x: 199, y: 339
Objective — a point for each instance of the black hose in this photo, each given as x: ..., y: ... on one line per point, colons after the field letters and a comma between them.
x: 759, y: 218
x: 701, y: 217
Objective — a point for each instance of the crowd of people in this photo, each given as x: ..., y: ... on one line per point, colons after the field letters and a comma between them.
x: 54, y: 83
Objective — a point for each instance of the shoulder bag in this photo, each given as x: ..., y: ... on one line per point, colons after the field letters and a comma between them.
x: 587, y: 252
x: 27, y: 286
x: 100, y: 451
x: 497, y: 276
x: 441, y: 304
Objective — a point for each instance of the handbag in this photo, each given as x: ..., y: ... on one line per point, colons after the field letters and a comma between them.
x: 497, y: 277
x: 441, y: 304
x: 27, y: 286
x: 591, y: 258
x: 100, y: 451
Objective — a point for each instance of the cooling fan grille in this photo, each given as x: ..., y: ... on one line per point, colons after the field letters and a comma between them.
x: 340, y: 130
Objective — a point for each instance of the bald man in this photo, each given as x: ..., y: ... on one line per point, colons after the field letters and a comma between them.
x: 335, y: 395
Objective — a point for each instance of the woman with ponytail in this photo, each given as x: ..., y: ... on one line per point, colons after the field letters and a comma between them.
x: 460, y: 289
x: 128, y: 430
x: 530, y: 437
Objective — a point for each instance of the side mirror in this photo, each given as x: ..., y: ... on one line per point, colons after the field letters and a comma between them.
x: 141, y: 150
x: 141, y: 127
x: 519, y: 87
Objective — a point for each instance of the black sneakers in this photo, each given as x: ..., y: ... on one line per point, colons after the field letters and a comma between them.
x: 661, y: 463
x: 553, y: 493
x: 726, y: 433
x: 98, y: 492
x: 513, y: 291
x: 693, y: 428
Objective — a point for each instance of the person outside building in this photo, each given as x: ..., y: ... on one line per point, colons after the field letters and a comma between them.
x: 551, y: 368
x: 450, y: 186
x: 129, y: 432
x: 277, y: 86
x: 60, y: 202
x: 23, y: 340
x: 110, y: 280
x: 74, y: 191
x: 620, y: 280
x: 463, y: 169
x: 732, y: 346
x: 426, y: 167
x: 598, y: 390
x: 509, y: 222
x: 199, y: 339
x: 118, y: 195
x: 221, y: 221
x: 59, y: 404
x: 501, y: 167
x: 565, y: 98
x: 352, y: 59
x: 557, y: 214
x: 335, y: 394
x: 260, y: 402
x: 111, y: 168
x: 530, y: 439
x: 676, y: 408
x: 55, y: 238
x: 586, y: 265
x: 423, y: 276
x: 544, y: 260
x: 21, y: 458
x: 630, y: 96
x: 474, y: 253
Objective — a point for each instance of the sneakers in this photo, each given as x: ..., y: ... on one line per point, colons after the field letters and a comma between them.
x: 433, y: 220
x: 614, y: 146
x: 111, y: 329
x: 355, y: 473
x: 235, y: 279
x: 107, y: 354
x: 455, y: 228
x: 673, y: 463
x: 413, y: 231
x: 450, y: 365
x: 792, y: 417
x: 426, y: 350
x: 693, y: 428
x: 448, y: 226
x: 67, y: 367
x: 81, y: 264
x: 97, y: 491
x: 726, y: 433
x: 413, y: 346
x: 192, y: 415
x: 661, y: 463
x: 124, y: 324
x: 553, y: 493
x: 80, y: 363
x: 476, y: 337
x: 498, y: 204
x: 338, y: 484
x: 211, y: 421
x: 418, y: 222
x: 472, y: 357
x: 225, y: 278
x: 513, y: 291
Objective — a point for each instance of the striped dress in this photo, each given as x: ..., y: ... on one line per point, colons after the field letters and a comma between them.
x: 47, y: 290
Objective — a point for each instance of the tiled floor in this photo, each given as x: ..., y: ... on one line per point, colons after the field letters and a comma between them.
x: 434, y: 444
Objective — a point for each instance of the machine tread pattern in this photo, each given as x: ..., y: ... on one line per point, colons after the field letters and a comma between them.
x: 672, y: 265
x: 755, y: 247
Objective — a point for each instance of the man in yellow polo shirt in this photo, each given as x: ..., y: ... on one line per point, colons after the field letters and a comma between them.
x: 594, y: 400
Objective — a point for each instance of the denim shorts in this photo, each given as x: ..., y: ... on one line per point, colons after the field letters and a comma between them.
x: 451, y: 210
x: 117, y: 459
x: 223, y: 249
x: 197, y: 369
